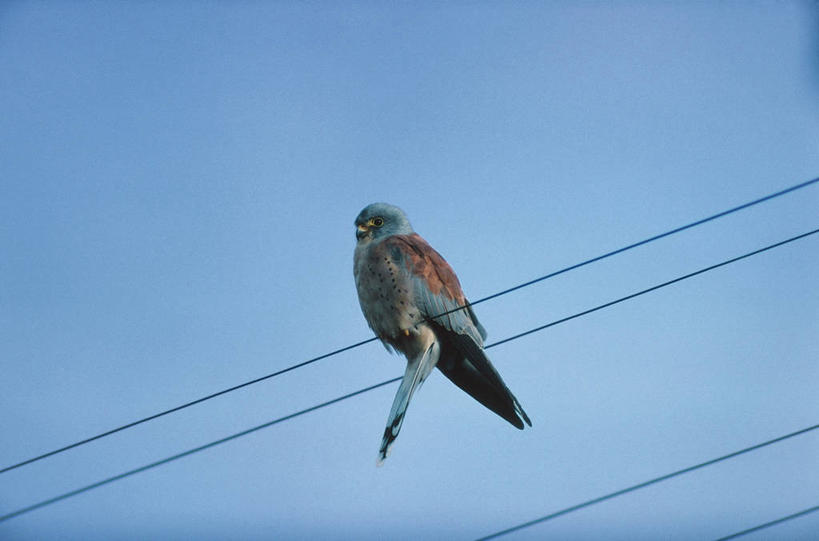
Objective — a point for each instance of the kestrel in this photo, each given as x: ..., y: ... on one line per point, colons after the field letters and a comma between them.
x: 403, y: 286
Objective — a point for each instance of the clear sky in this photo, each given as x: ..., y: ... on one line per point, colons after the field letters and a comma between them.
x: 178, y: 182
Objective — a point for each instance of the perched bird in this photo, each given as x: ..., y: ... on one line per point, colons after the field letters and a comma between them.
x: 412, y: 300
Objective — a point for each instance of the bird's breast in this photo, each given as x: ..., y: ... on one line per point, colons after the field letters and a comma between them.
x: 385, y: 293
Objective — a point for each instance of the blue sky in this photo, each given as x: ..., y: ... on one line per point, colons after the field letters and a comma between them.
x: 179, y: 182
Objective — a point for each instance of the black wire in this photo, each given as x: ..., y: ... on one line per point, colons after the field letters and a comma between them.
x: 658, y: 286
x: 771, y: 523
x: 642, y: 242
x: 383, y: 383
x: 650, y: 482
x: 183, y: 406
x: 363, y: 342
x: 188, y: 452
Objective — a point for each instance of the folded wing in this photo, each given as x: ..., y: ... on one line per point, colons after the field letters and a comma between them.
x: 438, y: 295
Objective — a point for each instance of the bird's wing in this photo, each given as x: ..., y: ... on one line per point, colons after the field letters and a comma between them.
x: 436, y: 288
x: 468, y: 367
x: 462, y: 359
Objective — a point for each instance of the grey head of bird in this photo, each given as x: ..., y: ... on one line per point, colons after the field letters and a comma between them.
x: 379, y: 221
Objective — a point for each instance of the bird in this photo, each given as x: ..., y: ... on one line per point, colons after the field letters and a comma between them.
x: 413, y: 302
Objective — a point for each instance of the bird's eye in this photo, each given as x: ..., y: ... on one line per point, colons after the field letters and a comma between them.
x: 378, y: 222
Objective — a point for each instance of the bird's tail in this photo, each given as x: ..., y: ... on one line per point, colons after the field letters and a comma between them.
x: 417, y: 371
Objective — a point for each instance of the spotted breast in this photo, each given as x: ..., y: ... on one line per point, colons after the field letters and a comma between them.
x: 385, y: 291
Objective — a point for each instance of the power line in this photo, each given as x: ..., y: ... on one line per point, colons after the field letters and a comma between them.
x: 649, y: 240
x: 387, y: 382
x: 638, y: 486
x: 188, y: 452
x: 771, y: 523
x: 658, y: 286
x: 182, y: 406
x: 363, y: 342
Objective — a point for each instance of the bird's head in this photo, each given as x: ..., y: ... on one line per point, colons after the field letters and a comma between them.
x: 380, y: 220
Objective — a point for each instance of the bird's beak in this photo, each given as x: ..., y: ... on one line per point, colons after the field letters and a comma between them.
x: 361, y: 231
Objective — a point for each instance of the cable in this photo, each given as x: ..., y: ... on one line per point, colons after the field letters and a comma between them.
x: 363, y: 342
x: 383, y: 383
x: 658, y: 286
x: 632, y: 488
x: 771, y: 523
x: 189, y: 452
x: 181, y: 407
x: 646, y: 241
